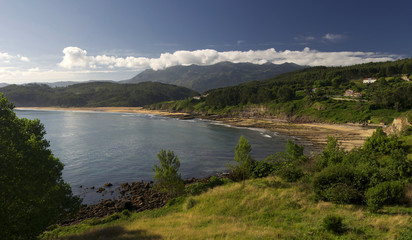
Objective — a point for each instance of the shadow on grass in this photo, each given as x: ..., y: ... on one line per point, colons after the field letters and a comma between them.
x: 115, y: 232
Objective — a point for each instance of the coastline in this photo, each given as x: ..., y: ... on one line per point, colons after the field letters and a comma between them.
x: 311, y: 135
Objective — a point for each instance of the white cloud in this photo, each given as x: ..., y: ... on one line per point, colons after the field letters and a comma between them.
x: 333, y: 37
x: 75, y: 57
x: 7, y: 58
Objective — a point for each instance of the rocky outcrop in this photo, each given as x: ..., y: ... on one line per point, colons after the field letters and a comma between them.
x: 399, y: 125
x: 135, y: 196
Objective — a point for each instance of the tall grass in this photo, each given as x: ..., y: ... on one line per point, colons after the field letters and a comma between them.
x: 265, y: 208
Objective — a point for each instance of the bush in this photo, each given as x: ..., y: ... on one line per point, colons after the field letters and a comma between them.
x: 167, y: 179
x: 332, y: 154
x: 189, y: 204
x: 244, y: 161
x: 196, y: 188
x: 384, y: 193
x: 126, y: 213
x: 328, y: 183
x: 216, y: 181
x: 290, y: 172
x: 334, y: 224
x: 261, y: 169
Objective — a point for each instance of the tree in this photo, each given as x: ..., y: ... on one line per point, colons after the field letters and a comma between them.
x: 33, y: 194
x: 167, y: 179
x: 243, y: 159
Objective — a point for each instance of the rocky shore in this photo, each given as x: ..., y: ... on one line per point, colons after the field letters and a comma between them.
x: 134, y: 196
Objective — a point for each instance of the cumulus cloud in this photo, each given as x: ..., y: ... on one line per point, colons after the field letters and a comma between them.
x: 7, y: 58
x: 75, y: 57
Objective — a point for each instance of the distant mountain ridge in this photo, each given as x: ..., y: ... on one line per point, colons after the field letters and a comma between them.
x: 223, y: 74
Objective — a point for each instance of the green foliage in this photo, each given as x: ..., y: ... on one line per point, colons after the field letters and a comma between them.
x: 380, y: 143
x: 126, y: 213
x: 199, y: 187
x: 262, y: 169
x: 196, y: 188
x: 167, y: 179
x: 190, y: 203
x: 244, y: 160
x: 372, y: 174
x: 384, y: 193
x: 334, y: 224
x: 95, y: 94
x: 33, y: 194
x: 337, y: 183
x: 287, y: 164
x: 332, y: 154
x: 294, y: 150
x: 290, y: 172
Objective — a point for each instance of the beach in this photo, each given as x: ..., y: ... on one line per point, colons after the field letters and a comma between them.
x: 312, y: 135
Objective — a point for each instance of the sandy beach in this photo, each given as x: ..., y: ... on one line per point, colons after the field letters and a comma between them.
x: 312, y: 135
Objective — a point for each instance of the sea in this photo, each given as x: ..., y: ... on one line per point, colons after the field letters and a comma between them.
x: 100, y: 147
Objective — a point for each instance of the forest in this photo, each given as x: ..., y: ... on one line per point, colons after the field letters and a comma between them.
x: 94, y: 94
x: 316, y: 94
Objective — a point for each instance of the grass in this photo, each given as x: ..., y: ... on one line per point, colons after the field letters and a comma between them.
x: 266, y: 208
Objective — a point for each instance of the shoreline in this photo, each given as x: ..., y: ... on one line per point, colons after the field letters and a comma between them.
x: 312, y: 136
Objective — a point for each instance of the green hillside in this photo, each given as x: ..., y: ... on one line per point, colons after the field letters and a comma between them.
x: 94, y: 94
x: 358, y: 194
x: 315, y: 94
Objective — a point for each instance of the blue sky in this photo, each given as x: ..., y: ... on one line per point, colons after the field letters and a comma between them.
x: 77, y: 40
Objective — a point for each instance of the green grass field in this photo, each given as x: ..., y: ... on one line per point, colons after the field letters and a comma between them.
x: 266, y: 208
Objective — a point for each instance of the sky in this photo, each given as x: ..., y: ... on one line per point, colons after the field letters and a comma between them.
x: 80, y: 40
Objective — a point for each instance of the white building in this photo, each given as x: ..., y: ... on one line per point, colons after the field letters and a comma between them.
x: 369, y: 80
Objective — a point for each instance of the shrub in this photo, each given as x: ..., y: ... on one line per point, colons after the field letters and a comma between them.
x: 290, y: 172
x: 126, y: 213
x: 332, y: 154
x: 261, y: 169
x: 167, y: 179
x: 380, y: 143
x: 196, y: 188
x: 342, y: 193
x: 330, y: 180
x: 334, y: 224
x: 384, y: 193
x: 244, y: 160
x: 189, y: 204
x: 216, y: 181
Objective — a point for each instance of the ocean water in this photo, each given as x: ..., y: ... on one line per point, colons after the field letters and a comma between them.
x: 97, y: 148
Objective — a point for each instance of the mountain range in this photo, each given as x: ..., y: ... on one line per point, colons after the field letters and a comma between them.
x: 223, y: 74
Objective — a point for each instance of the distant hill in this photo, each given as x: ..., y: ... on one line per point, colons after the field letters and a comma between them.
x: 3, y: 85
x: 94, y: 94
x: 203, y: 78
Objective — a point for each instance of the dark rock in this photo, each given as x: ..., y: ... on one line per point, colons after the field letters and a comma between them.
x: 108, y: 184
x: 101, y: 189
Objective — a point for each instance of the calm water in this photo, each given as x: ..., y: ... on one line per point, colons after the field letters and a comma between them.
x: 97, y: 148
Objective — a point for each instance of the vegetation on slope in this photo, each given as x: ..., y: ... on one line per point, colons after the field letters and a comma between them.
x: 33, y: 194
x: 315, y: 94
x: 285, y: 205
x: 94, y: 94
